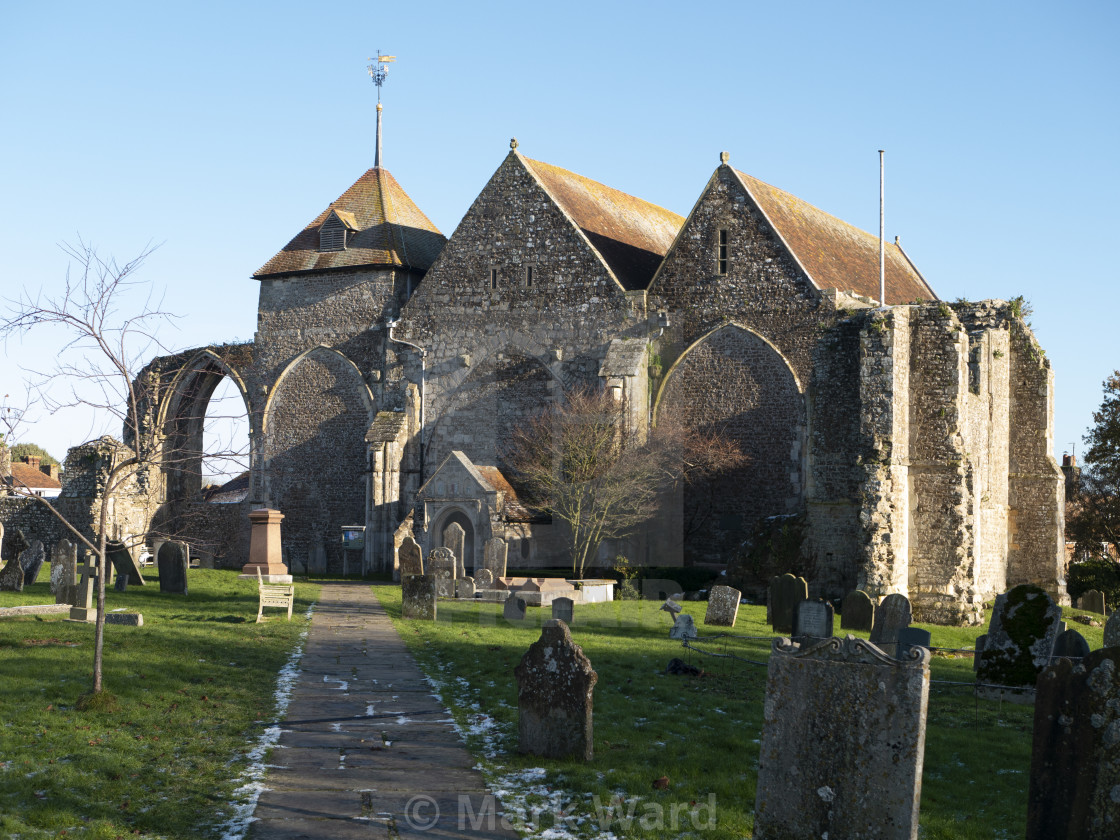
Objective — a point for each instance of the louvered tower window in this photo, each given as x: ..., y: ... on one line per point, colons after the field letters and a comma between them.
x: 721, y: 258
x: 332, y: 235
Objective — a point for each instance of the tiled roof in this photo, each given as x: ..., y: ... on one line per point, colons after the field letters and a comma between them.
x: 28, y: 476
x: 511, y: 506
x: 391, y: 231
x: 632, y: 235
x: 835, y: 254
x: 234, y: 490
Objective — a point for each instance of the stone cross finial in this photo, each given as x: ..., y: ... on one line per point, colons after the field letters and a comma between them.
x: 513, y: 142
x: 724, y: 157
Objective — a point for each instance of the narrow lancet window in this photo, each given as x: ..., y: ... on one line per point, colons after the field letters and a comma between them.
x: 721, y: 258
x: 493, y: 278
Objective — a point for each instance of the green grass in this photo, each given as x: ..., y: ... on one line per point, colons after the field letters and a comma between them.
x: 191, y: 687
x: 703, y: 733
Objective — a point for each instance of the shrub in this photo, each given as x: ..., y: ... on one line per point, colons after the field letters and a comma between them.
x: 1095, y: 573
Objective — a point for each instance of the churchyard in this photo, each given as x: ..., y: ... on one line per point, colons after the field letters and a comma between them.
x: 193, y: 688
x: 665, y: 741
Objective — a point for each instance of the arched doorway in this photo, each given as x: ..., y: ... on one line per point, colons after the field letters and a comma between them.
x: 465, y: 523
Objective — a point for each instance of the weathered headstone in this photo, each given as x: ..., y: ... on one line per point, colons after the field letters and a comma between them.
x: 563, y: 609
x: 1025, y: 624
x: 464, y: 587
x: 443, y: 567
x: 455, y: 538
x: 848, y: 762
x: 409, y: 558
x: 494, y: 556
x: 1075, y: 758
x: 513, y: 609
x: 173, y: 563
x: 83, y: 609
x: 123, y: 562
x: 723, y: 606
x: 911, y: 637
x: 483, y: 578
x: 64, y: 572
x: 785, y: 593
x: 891, y: 615
x: 418, y: 597
x: 1093, y: 601
x: 1071, y: 645
x: 684, y: 628
x: 11, y: 576
x: 813, y: 619
x: 1112, y: 630
x: 555, y: 684
x: 31, y: 561
x: 672, y: 607
x: 858, y: 611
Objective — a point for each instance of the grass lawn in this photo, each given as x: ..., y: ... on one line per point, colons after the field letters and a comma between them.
x: 192, y: 685
x: 702, y: 733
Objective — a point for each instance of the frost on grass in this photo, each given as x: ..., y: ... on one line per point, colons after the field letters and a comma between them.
x: 245, y: 797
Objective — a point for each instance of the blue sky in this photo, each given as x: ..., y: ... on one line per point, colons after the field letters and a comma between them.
x: 219, y: 130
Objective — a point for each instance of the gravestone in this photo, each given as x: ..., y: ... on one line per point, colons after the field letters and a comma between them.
x: 1093, y: 601
x: 911, y: 637
x: 83, y: 609
x: 858, y: 611
x: 1071, y: 645
x: 455, y: 538
x: 122, y: 561
x: 464, y: 587
x: 11, y: 576
x: 513, y: 609
x: 813, y: 619
x: 786, y: 592
x: 31, y: 561
x: 723, y: 606
x: 892, y: 615
x: 771, y: 588
x: 684, y: 628
x: 64, y: 572
x: 410, y: 560
x: 1021, y: 635
x: 555, y: 684
x: 1074, y: 786
x: 443, y: 567
x: 981, y: 641
x: 494, y: 556
x: 317, y: 565
x: 173, y: 563
x: 672, y: 607
x: 418, y: 597
x: 484, y: 578
x: 848, y: 762
x: 1112, y: 630
x: 563, y: 609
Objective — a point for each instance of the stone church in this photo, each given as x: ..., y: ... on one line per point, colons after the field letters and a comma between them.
x: 912, y: 437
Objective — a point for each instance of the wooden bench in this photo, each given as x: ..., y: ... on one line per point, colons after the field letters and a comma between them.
x: 274, y: 595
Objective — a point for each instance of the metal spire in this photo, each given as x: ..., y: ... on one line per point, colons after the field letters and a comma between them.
x: 378, y: 70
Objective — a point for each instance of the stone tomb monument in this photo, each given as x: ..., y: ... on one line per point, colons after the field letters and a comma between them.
x: 1112, y: 630
x: 555, y: 683
x: 494, y: 556
x: 1020, y: 641
x: 410, y: 560
x: 418, y: 597
x: 173, y: 562
x: 455, y: 538
x: 843, y: 739
x: 1092, y: 601
x: 64, y: 572
x: 563, y: 609
x: 31, y: 561
x: 892, y: 615
x: 265, y: 548
x: 443, y: 567
x: 1075, y: 757
x: 124, y: 564
x: 812, y: 620
x: 785, y: 593
x: 858, y: 611
x: 723, y: 606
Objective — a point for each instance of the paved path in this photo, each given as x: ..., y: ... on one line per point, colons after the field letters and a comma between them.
x: 364, y: 737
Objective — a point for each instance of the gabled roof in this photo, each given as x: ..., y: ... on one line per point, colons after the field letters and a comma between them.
x: 835, y: 254
x: 25, y: 475
x: 632, y: 235
x: 390, y: 231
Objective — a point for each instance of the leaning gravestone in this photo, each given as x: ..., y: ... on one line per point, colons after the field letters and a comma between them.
x: 123, y: 562
x: 1112, y: 630
x: 1020, y: 640
x: 684, y: 628
x: 892, y: 615
x: 173, y: 562
x: 858, y: 611
x: 911, y: 637
x: 64, y: 572
x: 672, y: 607
x: 418, y: 597
x: 1075, y: 757
x: 494, y: 556
x: 409, y: 558
x: 812, y: 619
x: 484, y: 578
x: 555, y: 683
x: 464, y: 587
x: 848, y: 763
x: 723, y: 606
x: 785, y: 593
x: 455, y: 538
x: 1071, y: 645
x: 563, y: 609
x: 31, y: 561
x: 443, y: 567
x: 513, y: 609
x: 1093, y: 601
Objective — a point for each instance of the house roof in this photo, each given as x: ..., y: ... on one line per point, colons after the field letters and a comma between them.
x: 32, y: 478
x: 835, y: 254
x: 234, y: 490
x: 632, y: 235
x: 390, y: 231
x: 511, y: 506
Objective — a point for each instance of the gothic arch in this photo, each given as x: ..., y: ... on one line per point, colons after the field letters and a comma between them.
x: 319, y: 350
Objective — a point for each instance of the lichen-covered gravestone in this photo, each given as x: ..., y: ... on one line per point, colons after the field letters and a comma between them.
x: 858, y: 611
x: 563, y: 609
x: 418, y: 597
x: 812, y: 619
x: 723, y: 606
x: 1112, y: 630
x: 1075, y: 758
x: 464, y: 587
x: 455, y: 538
x: 1071, y: 645
x: 684, y: 628
x: 555, y: 683
x: 483, y: 578
x: 443, y: 567
x: 1093, y: 601
x: 785, y: 594
x: 409, y: 558
x: 64, y: 572
x: 31, y: 561
x: 173, y: 562
x: 843, y: 740
x: 892, y: 615
x: 11, y: 576
x: 494, y: 556
x: 1020, y: 640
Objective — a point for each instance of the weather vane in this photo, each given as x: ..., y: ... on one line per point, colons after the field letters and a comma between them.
x: 379, y: 70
